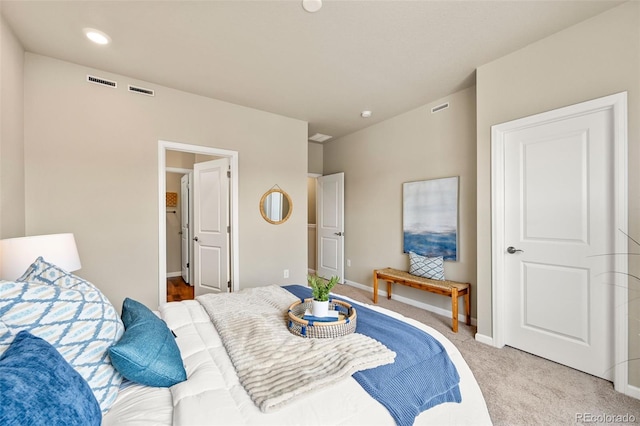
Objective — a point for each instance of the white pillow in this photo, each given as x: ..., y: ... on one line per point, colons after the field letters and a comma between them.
x: 79, y: 322
x: 426, y: 267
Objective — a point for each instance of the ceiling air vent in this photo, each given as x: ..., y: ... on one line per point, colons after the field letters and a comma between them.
x: 439, y: 107
x: 101, y: 81
x: 141, y: 90
x: 319, y: 137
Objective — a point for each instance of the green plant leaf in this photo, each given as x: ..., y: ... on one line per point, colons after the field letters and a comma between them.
x: 320, y: 287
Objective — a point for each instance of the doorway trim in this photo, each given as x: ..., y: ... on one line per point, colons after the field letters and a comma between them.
x: 234, y: 251
x: 617, y: 103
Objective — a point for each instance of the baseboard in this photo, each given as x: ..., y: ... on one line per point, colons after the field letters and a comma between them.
x: 633, y: 391
x: 481, y: 338
x: 436, y: 310
x: 174, y: 274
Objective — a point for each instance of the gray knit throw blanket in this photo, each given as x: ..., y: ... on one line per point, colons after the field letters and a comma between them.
x: 275, y: 366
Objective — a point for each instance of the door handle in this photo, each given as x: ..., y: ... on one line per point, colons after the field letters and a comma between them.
x: 512, y: 250
x: 339, y: 234
x: 195, y: 238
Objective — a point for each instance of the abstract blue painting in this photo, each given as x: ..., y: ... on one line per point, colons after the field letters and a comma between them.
x: 430, y: 217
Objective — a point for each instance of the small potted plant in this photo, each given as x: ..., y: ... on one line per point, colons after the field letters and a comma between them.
x: 320, y: 289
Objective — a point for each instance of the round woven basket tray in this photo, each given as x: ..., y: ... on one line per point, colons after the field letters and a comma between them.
x: 346, y: 323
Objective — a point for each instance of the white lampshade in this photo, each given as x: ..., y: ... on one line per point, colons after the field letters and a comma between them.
x: 17, y: 254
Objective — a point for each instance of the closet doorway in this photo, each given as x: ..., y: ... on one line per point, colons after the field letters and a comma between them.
x: 179, y: 214
x: 170, y: 246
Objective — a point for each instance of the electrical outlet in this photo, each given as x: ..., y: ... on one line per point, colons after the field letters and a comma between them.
x: 348, y: 262
x: 286, y: 273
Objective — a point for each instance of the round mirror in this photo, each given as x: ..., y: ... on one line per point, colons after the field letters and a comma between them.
x: 276, y: 206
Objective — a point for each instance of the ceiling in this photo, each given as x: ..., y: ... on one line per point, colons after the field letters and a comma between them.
x: 324, y: 68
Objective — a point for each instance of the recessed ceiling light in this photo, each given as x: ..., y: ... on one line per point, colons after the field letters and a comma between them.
x: 365, y: 114
x: 97, y: 36
x: 312, y: 5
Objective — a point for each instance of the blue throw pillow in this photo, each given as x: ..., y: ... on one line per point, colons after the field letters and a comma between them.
x: 39, y: 387
x: 147, y: 353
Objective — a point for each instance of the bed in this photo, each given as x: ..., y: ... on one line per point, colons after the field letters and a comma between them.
x: 213, y: 393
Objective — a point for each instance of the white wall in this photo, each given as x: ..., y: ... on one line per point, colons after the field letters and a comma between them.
x: 598, y: 57
x: 376, y: 161
x: 315, y: 158
x: 11, y: 134
x: 91, y: 159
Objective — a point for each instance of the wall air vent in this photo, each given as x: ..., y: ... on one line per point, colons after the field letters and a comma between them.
x: 439, y: 108
x: 101, y: 81
x: 141, y: 90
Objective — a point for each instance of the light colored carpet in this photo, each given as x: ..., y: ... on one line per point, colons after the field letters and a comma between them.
x: 520, y: 388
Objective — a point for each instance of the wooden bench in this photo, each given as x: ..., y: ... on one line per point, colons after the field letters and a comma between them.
x: 453, y: 289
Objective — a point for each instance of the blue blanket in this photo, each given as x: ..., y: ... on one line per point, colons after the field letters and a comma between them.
x: 422, y: 375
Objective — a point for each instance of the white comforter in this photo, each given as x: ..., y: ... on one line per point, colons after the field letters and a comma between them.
x: 213, y: 395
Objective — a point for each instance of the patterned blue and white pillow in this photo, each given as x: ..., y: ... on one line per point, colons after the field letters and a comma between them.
x: 6, y: 337
x: 427, y: 267
x: 44, y: 272
x: 81, y: 325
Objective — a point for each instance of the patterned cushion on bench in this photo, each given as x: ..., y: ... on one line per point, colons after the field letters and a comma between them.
x: 427, y: 267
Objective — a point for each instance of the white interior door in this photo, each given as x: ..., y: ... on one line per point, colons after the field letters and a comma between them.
x: 330, y: 226
x: 210, y: 226
x: 558, y: 223
x: 185, y: 240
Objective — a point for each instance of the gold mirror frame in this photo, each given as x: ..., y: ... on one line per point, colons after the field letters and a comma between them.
x: 286, y: 209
